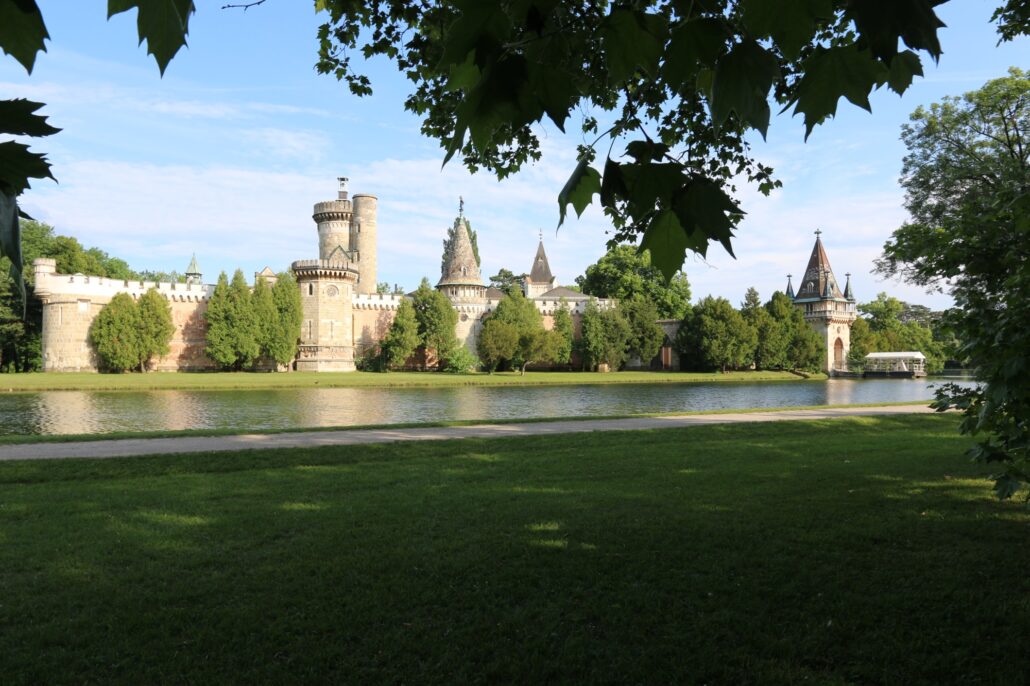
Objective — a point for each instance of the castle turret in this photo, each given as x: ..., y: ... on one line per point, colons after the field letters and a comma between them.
x: 460, y: 278
x: 193, y: 275
x: 363, y: 240
x: 333, y: 218
x: 540, y: 280
x: 827, y: 310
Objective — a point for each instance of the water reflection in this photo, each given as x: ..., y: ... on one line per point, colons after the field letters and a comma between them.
x: 74, y: 412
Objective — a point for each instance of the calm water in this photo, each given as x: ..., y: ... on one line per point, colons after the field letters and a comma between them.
x: 73, y: 412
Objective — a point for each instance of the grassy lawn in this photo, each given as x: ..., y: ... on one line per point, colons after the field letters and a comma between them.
x: 850, y: 551
x: 230, y: 380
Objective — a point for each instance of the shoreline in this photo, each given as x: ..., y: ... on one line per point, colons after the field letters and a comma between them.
x: 36, y: 382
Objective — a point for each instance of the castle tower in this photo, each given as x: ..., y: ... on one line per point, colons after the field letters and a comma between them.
x: 540, y: 280
x: 333, y: 218
x: 327, y: 327
x: 363, y: 240
x: 827, y: 310
x: 193, y: 275
x: 461, y: 280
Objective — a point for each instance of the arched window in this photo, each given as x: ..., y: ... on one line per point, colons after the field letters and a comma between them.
x: 311, y: 289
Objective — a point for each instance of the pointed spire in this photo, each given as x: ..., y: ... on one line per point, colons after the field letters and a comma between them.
x: 193, y: 274
x: 459, y: 261
x: 819, y: 281
x: 847, y: 288
x: 790, y: 286
x: 541, y: 271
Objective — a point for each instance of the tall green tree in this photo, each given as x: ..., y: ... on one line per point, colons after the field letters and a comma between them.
x: 645, y: 336
x: 716, y: 336
x: 220, y: 339
x: 115, y: 334
x: 534, y: 343
x: 564, y: 333
x: 497, y: 343
x: 266, y: 319
x: 290, y: 316
x: 436, y: 320
x: 803, y: 348
x: 232, y: 330
x: 156, y: 327
x: 966, y: 177
x: 604, y: 337
x: 402, y: 338
x: 624, y: 272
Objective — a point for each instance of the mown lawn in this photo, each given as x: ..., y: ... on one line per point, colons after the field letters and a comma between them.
x: 75, y: 381
x: 850, y: 551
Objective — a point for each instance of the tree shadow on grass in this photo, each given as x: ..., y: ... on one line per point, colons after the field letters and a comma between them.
x: 850, y: 552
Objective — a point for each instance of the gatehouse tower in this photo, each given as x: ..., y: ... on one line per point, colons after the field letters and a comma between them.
x: 347, y: 233
x: 827, y: 310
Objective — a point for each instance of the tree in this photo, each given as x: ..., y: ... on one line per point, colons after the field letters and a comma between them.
x: 770, y: 349
x: 624, y: 272
x: 383, y: 287
x: 645, y: 336
x: 232, y: 331
x: 802, y: 347
x: 436, y: 320
x: 155, y: 327
x: 448, y: 242
x: 289, y: 317
x: 504, y: 280
x: 534, y: 343
x: 115, y: 334
x: 883, y: 312
x: 563, y: 332
x: 716, y: 336
x: 402, y: 338
x: 605, y: 336
x: 497, y: 342
x: 967, y: 191
x: 266, y: 318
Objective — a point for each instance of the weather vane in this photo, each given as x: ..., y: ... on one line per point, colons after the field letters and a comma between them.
x: 818, y: 232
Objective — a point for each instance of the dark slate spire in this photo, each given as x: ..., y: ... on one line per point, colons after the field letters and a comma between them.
x: 193, y: 271
x: 790, y: 287
x: 541, y: 271
x: 847, y: 289
x: 819, y: 282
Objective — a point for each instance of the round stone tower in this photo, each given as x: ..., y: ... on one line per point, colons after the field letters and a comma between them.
x: 363, y: 240
x: 333, y: 218
x: 327, y: 327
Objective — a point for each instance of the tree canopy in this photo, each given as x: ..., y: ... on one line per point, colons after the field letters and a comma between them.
x: 623, y: 273
x: 967, y: 191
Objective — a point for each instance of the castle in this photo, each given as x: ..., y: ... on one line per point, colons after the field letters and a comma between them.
x: 344, y: 315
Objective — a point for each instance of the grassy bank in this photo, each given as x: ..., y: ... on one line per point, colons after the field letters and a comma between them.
x: 13, y: 439
x: 836, y: 552
x: 245, y: 380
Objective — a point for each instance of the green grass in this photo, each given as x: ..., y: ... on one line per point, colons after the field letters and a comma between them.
x: 243, y: 380
x: 853, y: 551
x: 14, y: 439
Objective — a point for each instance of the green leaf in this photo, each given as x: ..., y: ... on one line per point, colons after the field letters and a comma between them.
x: 163, y: 24
x: 904, y: 67
x: 829, y: 74
x: 10, y: 241
x: 666, y: 240
x: 613, y: 185
x: 632, y: 40
x: 480, y: 27
x: 790, y: 23
x: 463, y: 75
x: 707, y: 213
x: 18, y: 165
x: 580, y: 188
x: 881, y: 22
x: 741, y: 84
x: 693, y: 44
x: 554, y: 91
x: 17, y: 118
x: 652, y: 184
x: 22, y: 31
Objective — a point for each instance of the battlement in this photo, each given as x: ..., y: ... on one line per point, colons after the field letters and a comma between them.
x: 378, y: 301
x: 332, y: 210
x: 330, y: 268
x: 50, y: 284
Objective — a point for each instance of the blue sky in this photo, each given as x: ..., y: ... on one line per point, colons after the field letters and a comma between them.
x: 226, y: 154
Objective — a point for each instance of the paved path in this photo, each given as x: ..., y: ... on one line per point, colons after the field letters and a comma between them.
x: 313, y: 439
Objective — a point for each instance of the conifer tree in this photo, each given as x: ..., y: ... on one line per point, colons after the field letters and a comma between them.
x: 563, y: 333
x: 290, y: 315
x: 115, y: 334
x: 221, y: 346
x: 605, y: 335
x: 497, y: 342
x: 156, y: 327
x: 402, y: 338
x: 266, y: 319
x: 646, y: 336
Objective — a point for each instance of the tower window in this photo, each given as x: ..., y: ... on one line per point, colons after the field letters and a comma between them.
x: 311, y: 289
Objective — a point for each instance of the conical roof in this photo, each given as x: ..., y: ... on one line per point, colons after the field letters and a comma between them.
x: 459, y: 262
x: 193, y: 268
x: 847, y: 289
x: 541, y: 271
x: 790, y: 286
x: 819, y: 282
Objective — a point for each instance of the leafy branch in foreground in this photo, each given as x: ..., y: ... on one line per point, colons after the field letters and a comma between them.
x: 666, y: 90
x: 163, y: 24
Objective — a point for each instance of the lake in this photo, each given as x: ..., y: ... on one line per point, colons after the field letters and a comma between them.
x: 78, y: 412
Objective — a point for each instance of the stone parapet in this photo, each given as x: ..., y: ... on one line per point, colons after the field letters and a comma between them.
x: 377, y: 301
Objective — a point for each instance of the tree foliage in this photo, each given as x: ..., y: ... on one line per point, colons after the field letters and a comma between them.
x: 232, y: 329
x: 534, y: 343
x: 645, y: 336
x: 967, y: 191
x: 716, y: 336
x: 497, y: 342
x: 401, y: 338
x: 156, y: 327
x: 289, y: 317
x: 505, y: 279
x: 677, y: 84
x: 436, y: 320
x: 564, y: 333
x: 604, y: 338
x: 623, y: 273
x: 115, y: 334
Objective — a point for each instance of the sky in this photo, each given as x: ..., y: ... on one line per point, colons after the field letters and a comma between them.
x: 226, y: 154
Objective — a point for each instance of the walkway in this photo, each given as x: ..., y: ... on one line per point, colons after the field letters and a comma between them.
x: 315, y: 439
